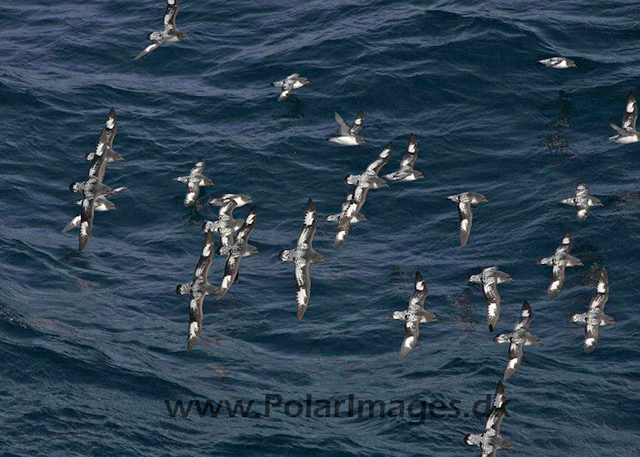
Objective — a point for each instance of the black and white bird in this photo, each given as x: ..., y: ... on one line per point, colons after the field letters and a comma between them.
x: 225, y: 226
x: 466, y: 201
x: 595, y: 316
x: 169, y: 32
x: 198, y: 289
x: 349, y: 133
x: 559, y: 261
x: 490, y: 278
x: 414, y: 315
x: 111, y: 125
x: 582, y: 201
x: 358, y: 217
x: 627, y: 132
x: 369, y: 178
x: 354, y: 202
x: 490, y: 441
x: 194, y: 181
x: 294, y: 81
x: 302, y: 256
x: 95, y: 193
x: 517, y: 339
x: 234, y: 252
x: 405, y: 171
x: 558, y: 62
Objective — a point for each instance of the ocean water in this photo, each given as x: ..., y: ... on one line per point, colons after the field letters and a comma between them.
x: 93, y: 344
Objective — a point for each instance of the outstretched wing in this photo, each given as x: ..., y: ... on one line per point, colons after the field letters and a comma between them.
x: 195, y: 319
x: 591, y: 336
x: 566, y: 243
x: 466, y: 218
x: 411, y: 155
x: 86, y: 221
x: 98, y: 164
x: 303, y: 288
x: 498, y: 412
x: 557, y: 280
x: 152, y: 47
x: 601, y: 296
x: 357, y: 123
x: 230, y: 273
x: 206, y: 256
x: 492, y: 299
x: 305, y: 238
x: 419, y: 294
x: 515, y: 357
x: 411, y: 334
x: 344, y: 128
x: 170, y: 15
x: 247, y: 227
x: 193, y: 192
x: 631, y: 113
x: 526, y: 316
x: 381, y: 161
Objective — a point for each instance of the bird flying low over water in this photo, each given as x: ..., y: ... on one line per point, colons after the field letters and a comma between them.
x: 95, y: 193
x: 490, y: 278
x: 490, y: 441
x: 294, y: 81
x: 194, y: 181
x: 198, y: 289
x: 627, y: 133
x: 517, y: 339
x: 559, y: 261
x: 582, y: 201
x: 595, y: 316
x: 169, y: 32
x: 234, y: 252
x: 414, y: 315
x: 558, y: 62
x: 349, y: 133
x: 302, y: 256
x: 405, y: 171
x: 225, y: 226
x: 466, y: 201
x: 369, y: 178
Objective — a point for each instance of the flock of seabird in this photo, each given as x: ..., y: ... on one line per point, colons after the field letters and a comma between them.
x: 234, y: 234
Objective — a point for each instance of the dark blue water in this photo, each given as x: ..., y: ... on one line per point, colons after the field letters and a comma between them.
x: 93, y: 344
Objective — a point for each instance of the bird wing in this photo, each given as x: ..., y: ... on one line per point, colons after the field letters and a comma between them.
x: 303, y: 287
x: 344, y: 128
x: 411, y: 334
x: 466, y: 218
x: 526, y: 316
x: 416, y: 302
x: 381, y: 161
x: 86, y: 221
x: 305, y: 238
x: 247, y: 227
x: 631, y: 113
x: 170, y: 14
x: 411, y: 155
x: 206, y: 256
x: 148, y: 49
x: 358, y: 122
x: 515, y: 357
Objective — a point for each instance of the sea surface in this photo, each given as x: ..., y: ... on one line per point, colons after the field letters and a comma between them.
x: 93, y: 344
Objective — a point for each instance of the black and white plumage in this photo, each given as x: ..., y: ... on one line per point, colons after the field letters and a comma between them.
x: 294, y: 81
x: 225, y: 226
x: 405, y: 170
x: 349, y: 133
x: 490, y: 278
x: 559, y: 261
x: 490, y: 441
x: 95, y: 193
x: 302, y: 256
x: 111, y: 127
x: 466, y: 201
x: 355, y: 200
x: 194, y: 181
x: 198, y: 289
x: 582, y: 201
x: 369, y: 178
x: 169, y: 32
x: 517, y: 339
x: 234, y: 252
x: 627, y: 133
x: 558, y: 62
x: 595, y: 316
x: 358, y: 217
x: 414, y: 315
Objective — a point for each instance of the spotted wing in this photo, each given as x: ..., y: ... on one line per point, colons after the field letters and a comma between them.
x: 305, y: 238
x: 466, y: 218
x: 526, y: 316
x: 498, y: 411
x: 206, y: 256
x: 112, y: 125
x: 195, y: 319
x: 303, y: 287
x: 411, y: 155
x: 591, y: 335
x: 86, y: 221
x: 247, y: 227
x: 230, y: 274
x: 419, y: 294
x: 193, y: 192
x: 381, y: 161
x: 411, y: 334
x: 631, y: 113
x: 582, y: 211
x: 515, y: 357
x: 344, y: 128
x: 152, y: 47
x: 357, y: 123
x: 170, y: 14
x: 557, y: 280
x: 492, y: 299
x: 566, y: 243
x: 98, y: 164
x: 602, y: 293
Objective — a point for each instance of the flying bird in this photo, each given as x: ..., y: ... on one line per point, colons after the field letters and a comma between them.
x: 169, y: 32
x: 490, y: 278
x: 490, y: 441
x: 466, y: 201
x: 369, y: 178
x: 225, y: 226
x: 413, y: 316
x: 405, y: 171
x: 349, y: 133
x: 517, y: 339
x: 194, y: 181
x: 302, y: 256
x: 294, y: 81
x: 559, y: 261
x: 595, y: 316
x: 582, y: 201
x: 627, y: 132
x: 558, y: 62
